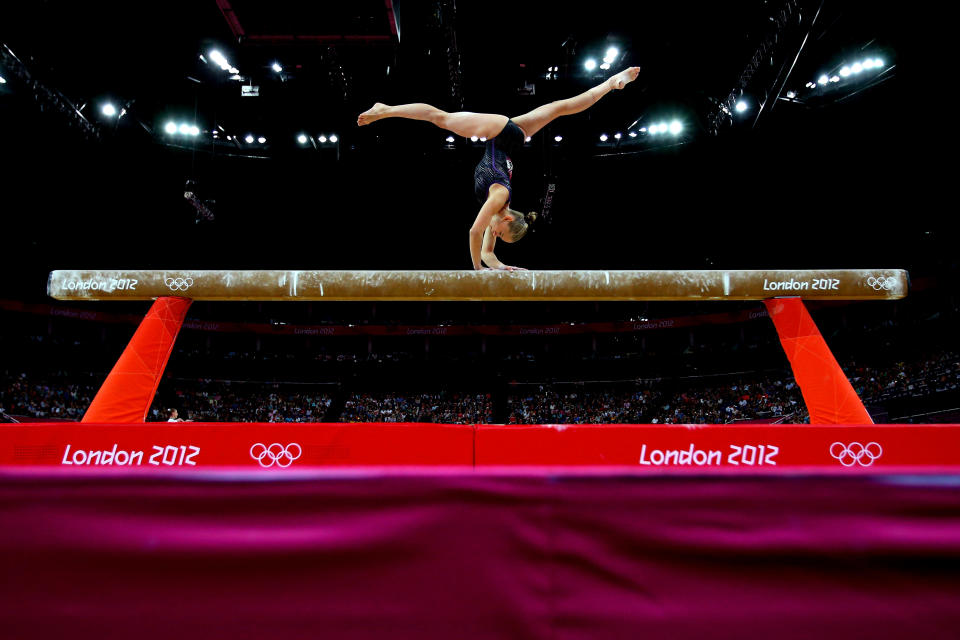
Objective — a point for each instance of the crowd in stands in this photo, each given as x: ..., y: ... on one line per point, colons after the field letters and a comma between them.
x: 227, y: 401
x: 703, y: 400
x: 446, y: 407
x: 55, y: 397
x: 907, y: 379
x: 765, y: 397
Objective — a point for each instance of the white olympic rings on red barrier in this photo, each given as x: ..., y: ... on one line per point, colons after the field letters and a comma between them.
x: 856, y: 453
x: 276, y: 453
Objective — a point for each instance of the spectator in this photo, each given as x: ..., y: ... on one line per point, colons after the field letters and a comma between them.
x: 766, y: 396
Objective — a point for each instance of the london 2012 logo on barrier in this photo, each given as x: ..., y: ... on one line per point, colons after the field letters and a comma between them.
x: 856, y: 453
x: 178, y: 284
x: 275, y: 454
x: 880, y: 284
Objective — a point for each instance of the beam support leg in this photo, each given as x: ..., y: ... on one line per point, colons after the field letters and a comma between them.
x: 127, y: 393
x: 829, y: 396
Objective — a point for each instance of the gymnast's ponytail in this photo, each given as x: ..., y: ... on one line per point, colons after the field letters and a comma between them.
x: 521, y: 224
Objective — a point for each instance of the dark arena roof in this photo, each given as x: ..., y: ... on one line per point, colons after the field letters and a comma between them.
x: 827, y: 166
x: 831, y: 177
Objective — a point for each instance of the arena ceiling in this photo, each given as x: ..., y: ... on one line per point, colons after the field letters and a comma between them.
x: 793, y: 191
x: 339, y: 57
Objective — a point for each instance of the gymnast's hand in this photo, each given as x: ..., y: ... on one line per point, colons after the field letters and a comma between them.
x: 502, y: 267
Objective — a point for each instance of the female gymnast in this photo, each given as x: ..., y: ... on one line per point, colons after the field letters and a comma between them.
x: 493, y: 175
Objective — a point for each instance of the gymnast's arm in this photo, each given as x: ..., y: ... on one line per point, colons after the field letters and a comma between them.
x: 486, y: 252
x: 495, y: 201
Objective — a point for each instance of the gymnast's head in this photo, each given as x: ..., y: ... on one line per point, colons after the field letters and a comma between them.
x: 513, y: 225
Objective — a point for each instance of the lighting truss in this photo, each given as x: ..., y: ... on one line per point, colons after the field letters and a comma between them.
x: 46, y: 97
x: 723, y: 112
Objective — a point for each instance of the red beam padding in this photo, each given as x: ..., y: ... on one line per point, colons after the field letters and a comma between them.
x: 440, y: 556
x: 128, y: 391
x: 829, y: 396
x: 745, y: 448
x: 193, y: 445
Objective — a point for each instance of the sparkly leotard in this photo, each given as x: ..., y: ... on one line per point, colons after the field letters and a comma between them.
x: 496, y: 167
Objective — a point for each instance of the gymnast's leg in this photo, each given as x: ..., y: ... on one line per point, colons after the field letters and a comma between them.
x: 540, y: 117
x: 462, y: 123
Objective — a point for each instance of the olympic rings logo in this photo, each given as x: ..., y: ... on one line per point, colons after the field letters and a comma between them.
x: 275, y: 454
x: 856, y: 453
x: 880, y: 284
x: 178, y: 284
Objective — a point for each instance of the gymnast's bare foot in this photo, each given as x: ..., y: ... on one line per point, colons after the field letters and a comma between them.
x: 624, y: 78
x: 372, y: 114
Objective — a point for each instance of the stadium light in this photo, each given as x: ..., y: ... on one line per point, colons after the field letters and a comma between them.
x: 868, y: 63
x: 791, y: 94
x: 3, y: 80
x: 558, y: 138
x: 219, y: 60
x: 171, y: 127
x: 834, y: 78
x: 184, y: 129
x: 676, y: 127
x: 844, y: 72
x: 603, y: 137
x: 333, y: 138
x: 277, y: 67
x: 605, y: 66
x: 109, y: 110
x: 618, y: 135
x: 474, y: 138
x: 590, y: 64
x: 261, y: 139
x: 823, y: 79
x: 856, y: 67
x: 302, y: 139
x: 322, y: 138
x: 643, y: 129
x: 632, y: 134
x: 741, y: 106
x: 878, y: 63
x: 527, y: 139
x: 194, y: 130
x: 450, y: 139
x: 612, y: 54
x: 249, y: 139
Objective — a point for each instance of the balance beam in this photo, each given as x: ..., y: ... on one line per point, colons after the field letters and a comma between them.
x: 826, y: 284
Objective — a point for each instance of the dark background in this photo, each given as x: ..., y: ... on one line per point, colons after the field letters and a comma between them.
x: 841, y: 179
x: 857, y: 175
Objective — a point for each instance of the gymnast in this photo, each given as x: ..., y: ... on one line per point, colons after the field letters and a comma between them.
x: 493, y: 175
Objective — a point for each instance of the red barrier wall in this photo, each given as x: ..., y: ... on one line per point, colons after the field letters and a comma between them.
x: 640, y: 448
x: 186, y: 445
x: 742, y: 447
